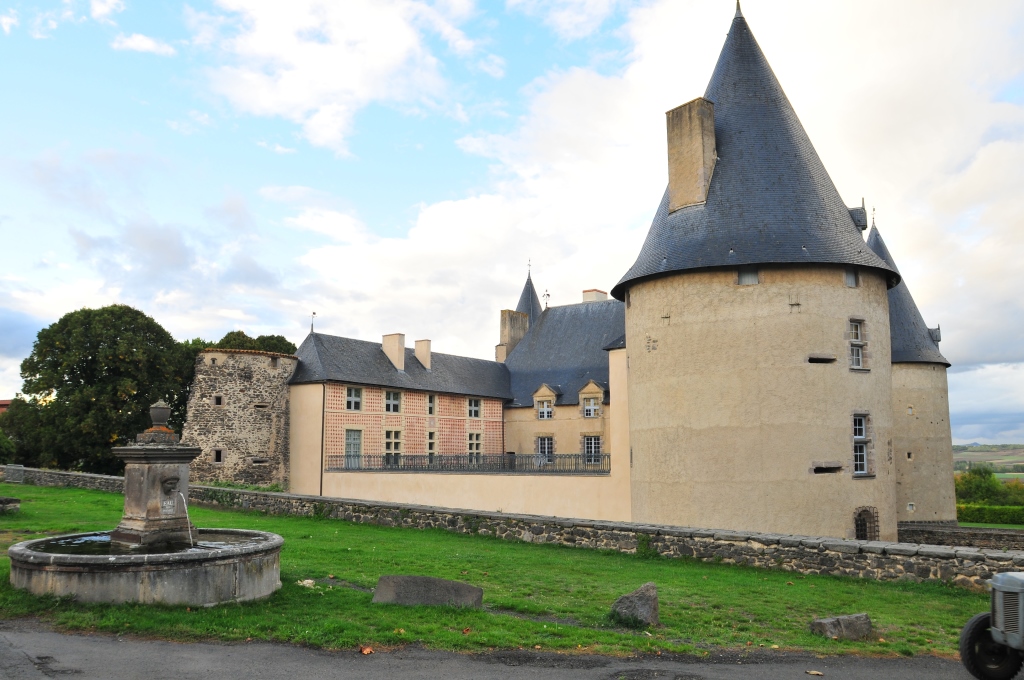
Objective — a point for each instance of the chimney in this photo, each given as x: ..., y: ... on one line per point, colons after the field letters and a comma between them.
x: 513, y: 327
x: 423, y: 353
x: 394, y: 347
x: 691, y: 152
x: 594, y: 295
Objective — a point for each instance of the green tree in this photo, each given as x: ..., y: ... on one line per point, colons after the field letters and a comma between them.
x: 263, y: 343
x: 979, y: 485
x: 89, y: 382
x: 6, y: 448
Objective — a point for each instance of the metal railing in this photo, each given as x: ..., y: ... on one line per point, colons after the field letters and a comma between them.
x: 527, y: 464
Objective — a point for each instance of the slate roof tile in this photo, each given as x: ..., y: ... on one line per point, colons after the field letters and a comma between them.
x: 565, y: 349
x: 911, y: 340
x: 770, y: 200
x: 336, y: 359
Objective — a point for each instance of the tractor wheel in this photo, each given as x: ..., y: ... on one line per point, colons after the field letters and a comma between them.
x: 983, y: 657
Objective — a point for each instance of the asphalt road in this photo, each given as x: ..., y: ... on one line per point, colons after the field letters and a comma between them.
x: 29, y: 650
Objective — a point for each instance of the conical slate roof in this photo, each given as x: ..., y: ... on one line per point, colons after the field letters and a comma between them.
x: 770, y: 199
x: 912, y: 342
x: 529, y: 303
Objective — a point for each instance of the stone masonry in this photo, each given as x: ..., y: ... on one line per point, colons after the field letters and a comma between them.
x: 238, y: 416
x: 968, y: 567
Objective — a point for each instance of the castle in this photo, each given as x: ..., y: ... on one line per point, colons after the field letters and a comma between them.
x: 760, y: 367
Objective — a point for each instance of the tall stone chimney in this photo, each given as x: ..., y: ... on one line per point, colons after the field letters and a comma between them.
x: 513, y: 327
x: 394, y: 347
x: 594, y: 295
x: 691, y: 152
x: 423, y: 353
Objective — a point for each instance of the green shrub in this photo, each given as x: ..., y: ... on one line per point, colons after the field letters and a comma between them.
x: 990, y: 514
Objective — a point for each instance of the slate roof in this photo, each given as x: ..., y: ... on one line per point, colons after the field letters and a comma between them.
x: 332, y: 358
x: 911, y: 340
x: 565, y: 350
x: 770, y: 199
x: 529, y: 303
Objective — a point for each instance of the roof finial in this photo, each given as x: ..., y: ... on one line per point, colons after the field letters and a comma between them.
x: 872, y: 216
x: 546, y: 296
x: 311, y: 319
x: 739, y: 12
x: 529, y: 266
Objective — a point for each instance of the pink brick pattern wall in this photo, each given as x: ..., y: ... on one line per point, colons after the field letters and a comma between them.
x: 450, y: 423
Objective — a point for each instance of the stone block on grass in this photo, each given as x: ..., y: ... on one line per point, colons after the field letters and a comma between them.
x: 417, y: 590
x: 638, y: 608
x: 9, y: 505
x: 851, y: 627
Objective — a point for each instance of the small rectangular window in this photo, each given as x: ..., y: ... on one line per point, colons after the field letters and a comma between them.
x: 213, y: 361
x: 856, y: 356
x: 392, y: 447
x: 431, y: 446
x: 856, y: 331
x: 392, y: 402
x: 591, y: 450
x: 546, y: 449
x: 859, y: 427
x: 354, y: 398
x: 474, y: 447
x: 544, y: 411
x: 218, y: 455
x: 860, y: 459
x: 431, y: 401
x: 273, y: 362
x: 747, y: 277
x: 591, y: 407
x: 474, y: 408
x: 218, y: 400
x: 851, y: 278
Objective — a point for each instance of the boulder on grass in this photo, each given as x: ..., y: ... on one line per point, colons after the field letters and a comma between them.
x: 9, y: 505
x: 638, y: 608
x: 414, y: 590
x: 851, y: 627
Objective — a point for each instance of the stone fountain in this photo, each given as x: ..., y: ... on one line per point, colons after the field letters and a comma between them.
x: 155, y: 554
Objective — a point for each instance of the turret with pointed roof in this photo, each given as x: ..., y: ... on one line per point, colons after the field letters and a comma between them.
x: 912, y: 340
x: 769, y: 199
x: 529, y: 303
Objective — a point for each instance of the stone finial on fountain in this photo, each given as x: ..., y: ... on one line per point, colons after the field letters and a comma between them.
x: 159, y: 433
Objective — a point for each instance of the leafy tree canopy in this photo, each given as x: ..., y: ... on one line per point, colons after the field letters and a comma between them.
x: 6, y: 448
x: 263, y: 343
x: 89, y: 382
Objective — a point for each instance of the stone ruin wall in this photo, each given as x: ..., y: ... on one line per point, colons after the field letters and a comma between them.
x: 249, y: 426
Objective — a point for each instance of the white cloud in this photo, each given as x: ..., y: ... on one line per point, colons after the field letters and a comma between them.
x: 569, y: 19
x: 136, y: 42
x: 275, y: 147
x: 8, y: 21
x: 317, y: 64
x: 101, y: 10
x: 492, y: 65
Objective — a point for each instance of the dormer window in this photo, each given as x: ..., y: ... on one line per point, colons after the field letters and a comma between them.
x: 591, y: 407
x: 544, y: 411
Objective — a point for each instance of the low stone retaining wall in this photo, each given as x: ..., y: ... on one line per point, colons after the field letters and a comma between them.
x: 999, y: 539
x: 965, y: 566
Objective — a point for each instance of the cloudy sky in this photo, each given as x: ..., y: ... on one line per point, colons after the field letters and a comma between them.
x: 394, y: 165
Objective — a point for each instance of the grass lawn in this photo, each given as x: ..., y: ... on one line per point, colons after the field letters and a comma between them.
x: 551, y: 597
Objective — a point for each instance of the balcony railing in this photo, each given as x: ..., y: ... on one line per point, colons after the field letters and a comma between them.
x: 524, y: 464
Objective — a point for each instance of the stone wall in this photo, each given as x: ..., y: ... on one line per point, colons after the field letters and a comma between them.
x: 887, y: 561
x: 939, y: 534
x: 249, y: 425
x: 77, y: 480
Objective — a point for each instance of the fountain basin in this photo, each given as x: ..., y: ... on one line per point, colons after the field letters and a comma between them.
x: 225, y: 565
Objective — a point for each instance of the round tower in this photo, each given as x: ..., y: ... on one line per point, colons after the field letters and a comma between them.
x: 757, y: 328
x: 921, y: 438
